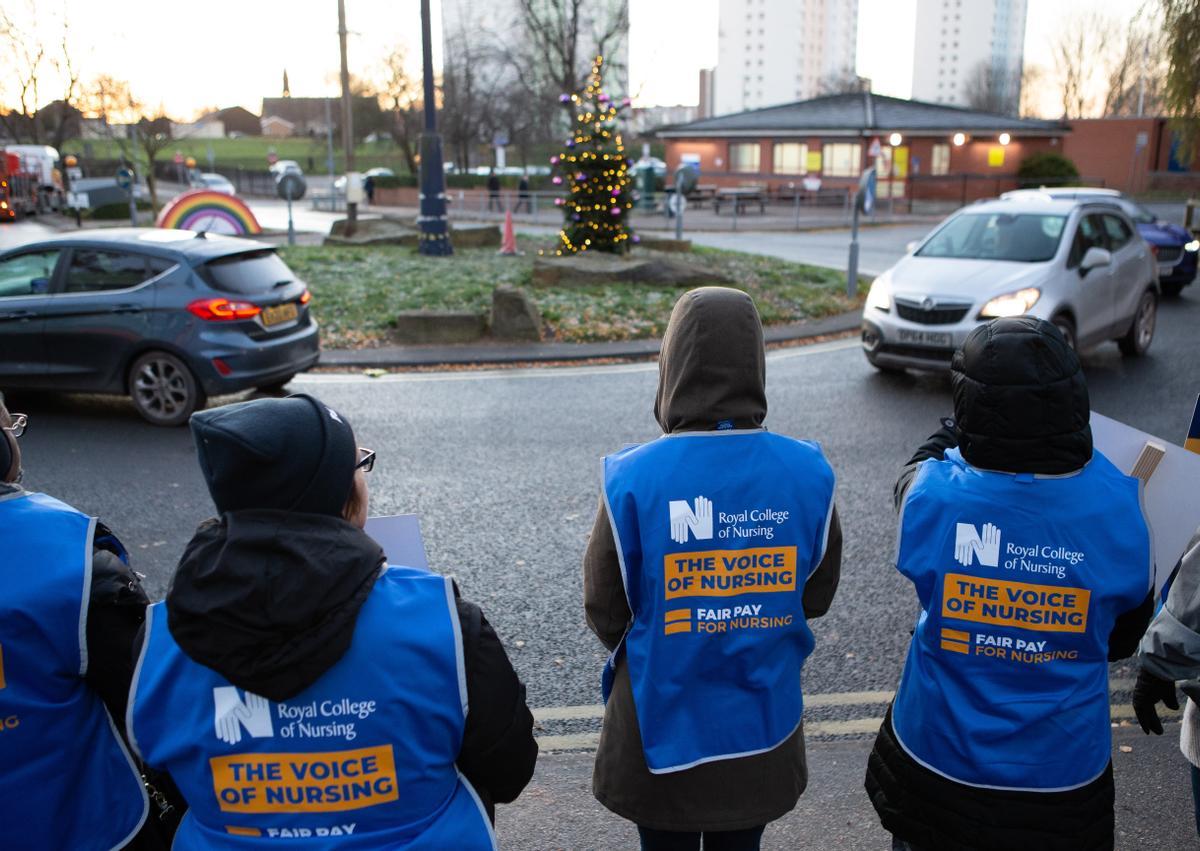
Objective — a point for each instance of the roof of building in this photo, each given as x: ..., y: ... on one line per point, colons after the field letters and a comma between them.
x: 862, y: 112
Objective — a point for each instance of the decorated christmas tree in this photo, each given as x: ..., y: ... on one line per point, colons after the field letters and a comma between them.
x: 595, y: 172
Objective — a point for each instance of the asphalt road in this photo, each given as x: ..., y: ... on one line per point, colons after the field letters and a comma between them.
x: 503, y: 468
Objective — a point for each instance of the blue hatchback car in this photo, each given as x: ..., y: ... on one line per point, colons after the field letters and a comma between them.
x: 1175, y: 250
x: 166, y: 317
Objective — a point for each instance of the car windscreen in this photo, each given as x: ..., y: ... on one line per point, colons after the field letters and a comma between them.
x: 1017, y: 237
x: 252, y: 273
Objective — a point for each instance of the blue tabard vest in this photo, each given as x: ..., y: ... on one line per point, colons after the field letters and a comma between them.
x: 717, y: 533
x: 66, y: 779
x: 362, y: 758
x: 1020, y: 580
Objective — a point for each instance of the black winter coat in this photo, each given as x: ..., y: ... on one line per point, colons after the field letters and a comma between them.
x: 1021, y: 405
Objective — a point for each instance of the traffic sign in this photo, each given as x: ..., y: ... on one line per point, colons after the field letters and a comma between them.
x: 124, y: 177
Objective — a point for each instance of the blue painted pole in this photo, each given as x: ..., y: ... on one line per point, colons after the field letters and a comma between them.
x: 435, y: 230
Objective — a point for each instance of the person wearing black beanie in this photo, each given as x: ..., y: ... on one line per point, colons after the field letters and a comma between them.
x: 283, y: 615
x: 70, y: 609
x: 1009, y: 498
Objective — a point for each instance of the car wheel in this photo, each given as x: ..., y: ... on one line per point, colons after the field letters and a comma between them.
x: 1067, y: 328
x: 1141, y: 331
x: 275, y: 387
x: 1172, y: 289
x: 164, y: 391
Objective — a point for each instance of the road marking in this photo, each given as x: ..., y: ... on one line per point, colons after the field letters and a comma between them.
x: 849, y: 727
x: 544, y: 372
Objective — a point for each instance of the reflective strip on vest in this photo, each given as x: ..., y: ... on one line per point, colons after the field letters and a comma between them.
x: 717, y: 533
x: 67, y: 780
x: 1020, y: 579
x: 362, y: 758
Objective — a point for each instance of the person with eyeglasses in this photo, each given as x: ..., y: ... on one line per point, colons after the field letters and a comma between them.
x: 297, y: 687
x: 70, y: 609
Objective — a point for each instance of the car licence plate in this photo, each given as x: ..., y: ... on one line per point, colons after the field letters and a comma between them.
x: 279, y: 313
x: 938, y: 339
x: 1166, y: 268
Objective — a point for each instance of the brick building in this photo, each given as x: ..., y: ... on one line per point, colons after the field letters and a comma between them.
x: 1134, y: 155
x: 921, y: 150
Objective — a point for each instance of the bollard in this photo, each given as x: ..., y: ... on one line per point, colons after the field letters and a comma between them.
x: 735, y: 213
x: 796, y: 205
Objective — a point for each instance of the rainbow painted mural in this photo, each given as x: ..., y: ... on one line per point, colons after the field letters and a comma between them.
x: 209, y: 211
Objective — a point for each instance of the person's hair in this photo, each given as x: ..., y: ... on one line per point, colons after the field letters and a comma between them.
x: 353, y: 501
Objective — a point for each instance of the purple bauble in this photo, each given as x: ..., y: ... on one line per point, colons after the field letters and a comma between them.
x: 636, y: 238
x: 615, y: 211
x: 626, y: 102
x: 577, y: 217
x: 558, y: 202
x: 554, y: 160
x: 616, y: 191
x: 580, y: 176
x: 603, y: 98
x: 564, y: 98
x: 556, y: 180
x: 571, y: 144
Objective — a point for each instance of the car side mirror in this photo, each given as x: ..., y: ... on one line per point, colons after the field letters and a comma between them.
x: 39, y: 286
x: 1094, y: 258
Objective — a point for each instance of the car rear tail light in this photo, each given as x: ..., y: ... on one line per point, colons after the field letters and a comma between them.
x: 305, y: 297
x: 223, y: 309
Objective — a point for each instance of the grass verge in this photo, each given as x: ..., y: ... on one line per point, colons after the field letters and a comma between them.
x: 358, y: 291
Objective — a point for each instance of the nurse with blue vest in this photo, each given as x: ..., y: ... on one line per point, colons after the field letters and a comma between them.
x: 66, y: 777
x: 300, y: 691
x: 1033, y: 568
x: 713, y: 547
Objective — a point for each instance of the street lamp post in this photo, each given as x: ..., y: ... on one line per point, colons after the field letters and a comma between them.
x: 435, y: 236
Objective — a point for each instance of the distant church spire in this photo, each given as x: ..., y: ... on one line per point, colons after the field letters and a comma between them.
x: 287, y: 90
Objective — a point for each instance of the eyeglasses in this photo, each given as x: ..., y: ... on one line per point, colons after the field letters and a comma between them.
x: 366, y: 460
x: 21, y: 421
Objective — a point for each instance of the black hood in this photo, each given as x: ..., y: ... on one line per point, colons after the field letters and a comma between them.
x: 1020, y: 399
x: 712, y: 369
x: 269, y: 599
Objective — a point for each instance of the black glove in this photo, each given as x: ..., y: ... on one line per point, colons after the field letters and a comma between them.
x: 1148, y: 691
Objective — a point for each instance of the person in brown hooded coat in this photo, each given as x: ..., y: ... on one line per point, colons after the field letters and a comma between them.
x: 712, y: 375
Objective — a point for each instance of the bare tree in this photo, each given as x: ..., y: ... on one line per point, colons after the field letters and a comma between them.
x: 468, y: 89
x: 843, y: 82
x: 1079, y: 52
x: 29, y: 62
x: 1135, y: 80
x: 152, y: 136
x: 403, y: 98
x: 1032, y: 78
x: 989, y: 89
x: 565, y: 36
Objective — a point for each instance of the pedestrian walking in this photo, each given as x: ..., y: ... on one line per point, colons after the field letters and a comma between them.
x: 70, y: 608
x: 712, y: 548
x: 1170, y: 651
x: 523, y: 195
x: 295, y: 685
x: 493, y: 190
x: 369, y: 188
x: 1033, y: 568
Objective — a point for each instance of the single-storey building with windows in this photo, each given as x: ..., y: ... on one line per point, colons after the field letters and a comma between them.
x: 920, y: 150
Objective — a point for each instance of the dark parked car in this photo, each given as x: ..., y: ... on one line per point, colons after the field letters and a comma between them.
x: 166, y: 317
x: 1175, y: 250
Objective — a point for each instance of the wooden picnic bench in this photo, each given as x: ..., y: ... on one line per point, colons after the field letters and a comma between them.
x: 740, y: 197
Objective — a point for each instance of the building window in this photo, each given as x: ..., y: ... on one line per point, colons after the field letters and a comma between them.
x: 940, y: 161
x: 743, y: 156
x: 791, y: 158
x: 842, y: 159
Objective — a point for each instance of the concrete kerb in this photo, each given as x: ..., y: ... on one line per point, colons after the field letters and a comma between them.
x: 393, y: 357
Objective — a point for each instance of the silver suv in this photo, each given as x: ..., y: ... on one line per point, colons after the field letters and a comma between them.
x: 1081, y: 265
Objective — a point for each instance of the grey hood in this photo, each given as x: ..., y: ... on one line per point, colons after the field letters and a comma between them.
x: 712, y: 370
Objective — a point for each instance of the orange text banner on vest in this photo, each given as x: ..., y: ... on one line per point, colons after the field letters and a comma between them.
x: 1046, y: 608
x: 305, y: 782
x: 728, y: 573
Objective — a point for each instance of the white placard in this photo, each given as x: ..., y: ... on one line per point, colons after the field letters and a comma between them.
x: 400, y: 537
x: 1172, y: 496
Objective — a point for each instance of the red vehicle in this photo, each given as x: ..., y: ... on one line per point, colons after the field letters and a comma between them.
x: 18, y: 189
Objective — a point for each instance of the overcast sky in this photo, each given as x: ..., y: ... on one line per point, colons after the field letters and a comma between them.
x: 189, y: 56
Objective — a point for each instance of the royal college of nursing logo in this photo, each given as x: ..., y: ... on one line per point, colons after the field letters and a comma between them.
x: 231, y: 714
x: 986, y: 546
x: 697, y: 517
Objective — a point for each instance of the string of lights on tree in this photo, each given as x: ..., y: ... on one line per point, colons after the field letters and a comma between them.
x: 595, y: 171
